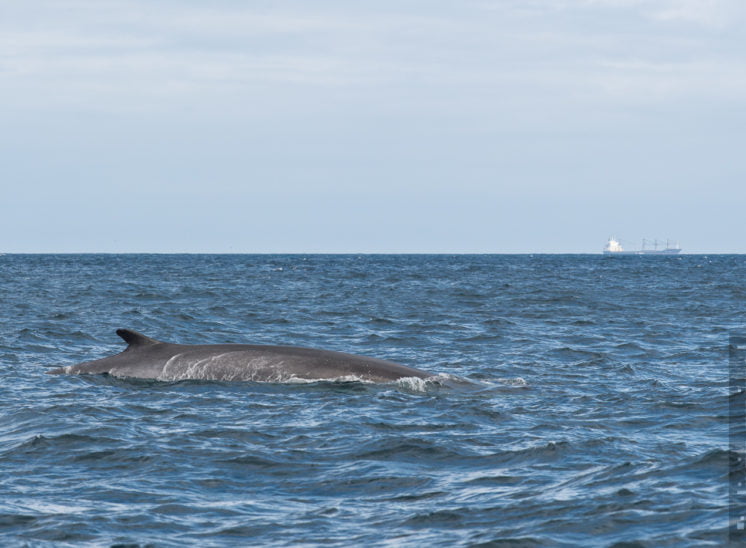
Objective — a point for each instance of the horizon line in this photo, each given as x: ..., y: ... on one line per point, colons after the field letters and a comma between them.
x: 599, y: 253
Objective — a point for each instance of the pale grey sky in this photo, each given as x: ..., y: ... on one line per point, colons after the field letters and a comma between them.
x: 386, y: 126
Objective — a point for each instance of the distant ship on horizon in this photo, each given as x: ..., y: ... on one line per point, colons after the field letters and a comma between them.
x: 613, y: 247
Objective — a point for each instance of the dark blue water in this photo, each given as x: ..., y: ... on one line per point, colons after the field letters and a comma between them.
x: 600, y: 418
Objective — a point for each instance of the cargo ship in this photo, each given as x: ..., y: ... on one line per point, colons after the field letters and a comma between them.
x: 613, y: 247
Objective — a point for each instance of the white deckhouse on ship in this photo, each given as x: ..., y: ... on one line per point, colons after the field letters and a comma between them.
x: 613, y: 247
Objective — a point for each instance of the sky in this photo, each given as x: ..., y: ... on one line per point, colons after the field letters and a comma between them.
x: 387, y: 126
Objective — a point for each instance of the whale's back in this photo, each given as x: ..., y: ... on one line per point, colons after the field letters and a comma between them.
x: 152, y: 359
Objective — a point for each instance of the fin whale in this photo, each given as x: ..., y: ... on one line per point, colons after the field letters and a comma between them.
x: 147, y: 358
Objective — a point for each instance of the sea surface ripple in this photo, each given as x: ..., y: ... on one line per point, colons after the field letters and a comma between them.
x: 599, y: 418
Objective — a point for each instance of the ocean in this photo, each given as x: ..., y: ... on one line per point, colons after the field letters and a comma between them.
x: 598, y: 414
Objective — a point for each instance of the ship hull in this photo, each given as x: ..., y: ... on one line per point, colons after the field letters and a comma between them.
x: 645, y: 252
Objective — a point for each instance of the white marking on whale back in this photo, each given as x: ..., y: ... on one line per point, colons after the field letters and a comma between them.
x: 217, y: 367
x: 344, y: 378
x: 166, y: 372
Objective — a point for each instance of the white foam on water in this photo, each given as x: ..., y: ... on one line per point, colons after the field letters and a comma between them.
x: 414, y: 384
x: 518, y: 381
x: 436, y: 382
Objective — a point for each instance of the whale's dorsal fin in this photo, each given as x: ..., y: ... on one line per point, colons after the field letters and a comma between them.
x: 133, y: 338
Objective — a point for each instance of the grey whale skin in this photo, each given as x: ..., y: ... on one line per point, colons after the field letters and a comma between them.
x: 146, y: 358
